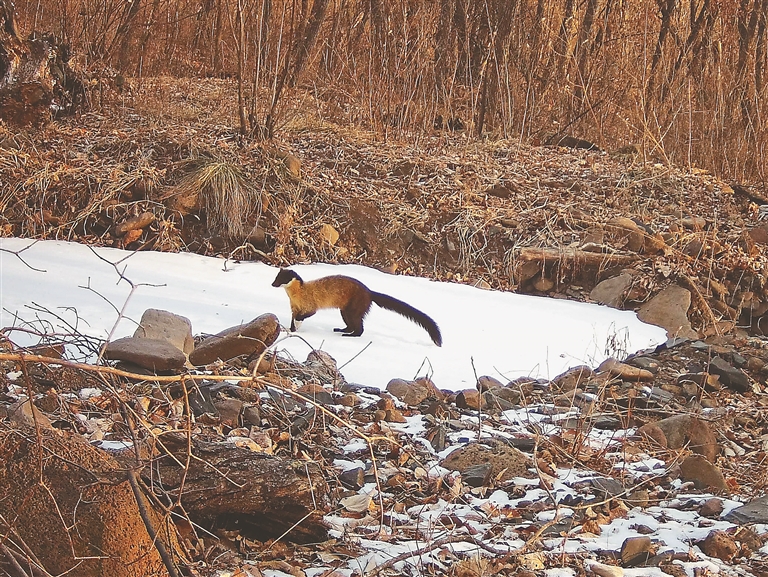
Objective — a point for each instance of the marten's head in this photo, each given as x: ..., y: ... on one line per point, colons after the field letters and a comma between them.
x: 284, y: 277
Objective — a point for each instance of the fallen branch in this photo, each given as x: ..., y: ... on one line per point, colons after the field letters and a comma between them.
x: 576, y: 257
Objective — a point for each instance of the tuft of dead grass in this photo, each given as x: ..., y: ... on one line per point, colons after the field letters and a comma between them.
x: 222, y: 189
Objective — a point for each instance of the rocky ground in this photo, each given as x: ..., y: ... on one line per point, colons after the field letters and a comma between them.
x: 550, y: 474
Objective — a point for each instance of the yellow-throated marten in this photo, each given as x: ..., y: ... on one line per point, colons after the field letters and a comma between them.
x: 348, y: 295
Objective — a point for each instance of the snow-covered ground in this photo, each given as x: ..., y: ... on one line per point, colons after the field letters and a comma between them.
x: 484, y: 332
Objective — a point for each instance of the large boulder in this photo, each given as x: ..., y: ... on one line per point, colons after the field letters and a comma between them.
x: 250, y: 339
x: 155, y: 355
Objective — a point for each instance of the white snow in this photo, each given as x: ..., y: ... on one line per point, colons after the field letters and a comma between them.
x: 484, y: 332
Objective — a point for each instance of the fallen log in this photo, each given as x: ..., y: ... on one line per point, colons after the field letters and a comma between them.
x: 576, y: 257
x: 232, y: 488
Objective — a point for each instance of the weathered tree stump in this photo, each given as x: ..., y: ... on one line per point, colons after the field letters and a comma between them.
x: 68, y: 507
x: 36, y: 80
x: 232, y: 488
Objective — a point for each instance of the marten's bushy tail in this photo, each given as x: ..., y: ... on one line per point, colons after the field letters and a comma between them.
x: 401, y: 308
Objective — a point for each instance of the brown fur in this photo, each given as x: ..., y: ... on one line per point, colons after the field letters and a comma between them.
x: 348, y: 295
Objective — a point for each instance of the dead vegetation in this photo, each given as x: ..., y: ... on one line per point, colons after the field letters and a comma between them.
x: 158, y: 170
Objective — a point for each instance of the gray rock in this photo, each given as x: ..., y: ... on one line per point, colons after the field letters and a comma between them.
x: 248, y: 339
x: 229, y: 411
x: 477, y: 475
x: 730, y: 376
x: 353, y: 478
x: 612, y: 291
x: 669, y: 310
x: 641, y: 362
x: 756, y: 511
x: 507, y: 393
x: 635, y: 551
x: 252, y: 416
x: 607, y: 486
x: 323, y: 365
x: 712, y: 508
x: 166, y: 326
x: 491, y: 400
x: 151, y: 354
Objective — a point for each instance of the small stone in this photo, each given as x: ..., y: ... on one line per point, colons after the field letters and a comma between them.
x: 625, y: 233
x: 642, y: 362
x: 638, y: 498
x: 636, y: 551
x: 730, y: 376
x: 492, y: 401
x: 505, y: 460
x: 324, y: 365
x: 711, y: 508
x: 329, y: 234
x: 543, y: 284
x: 673, y: 569
x: 410, y: 392
x: 612, y: 291
x: 624, y: 371
x: 477, y: 475
x: 704, y: 474
x: 349, y: 400
x: 229, y: 411
x: 572, y: 378
x: 651, y: 433
x: 499, y: 191
x: 135, y: 223
x: 486, y: 383
x: 694, y: 222
x: 353, y: 478
x: 292, y: 164
x: 682, y: 430
x: 507, y: 393
x: 151, y: 354
x: 603, y: 570
x: 469, y: 399
x: 252, y: 416
x: 721, y: 545
x: 317, y: 394
x: 759, y: 234
x: 394, y: 416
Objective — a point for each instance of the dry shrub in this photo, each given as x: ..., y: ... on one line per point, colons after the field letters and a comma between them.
x: 221, y: 189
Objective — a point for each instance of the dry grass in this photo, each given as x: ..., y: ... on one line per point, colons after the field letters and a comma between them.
x: 223, y: 191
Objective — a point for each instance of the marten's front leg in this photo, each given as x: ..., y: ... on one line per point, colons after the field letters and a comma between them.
x: 297, y: 319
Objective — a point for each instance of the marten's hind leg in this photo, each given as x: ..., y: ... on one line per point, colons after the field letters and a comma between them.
x: 349, y: 317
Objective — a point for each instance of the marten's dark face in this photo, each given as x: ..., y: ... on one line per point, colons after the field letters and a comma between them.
x: 284, y: 277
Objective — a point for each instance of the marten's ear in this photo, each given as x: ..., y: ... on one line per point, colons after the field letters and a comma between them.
x: 284, y: 277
